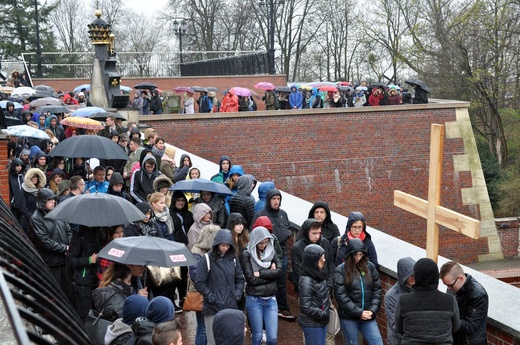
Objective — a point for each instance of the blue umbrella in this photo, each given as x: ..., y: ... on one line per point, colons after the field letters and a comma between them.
x: 26, y: 131
x: 3, y: 104
x: 83, y: 86
x: 87, y: 111
x: 201, y: 184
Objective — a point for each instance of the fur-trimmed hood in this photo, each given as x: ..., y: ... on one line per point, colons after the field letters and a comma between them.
x: 42, y: 180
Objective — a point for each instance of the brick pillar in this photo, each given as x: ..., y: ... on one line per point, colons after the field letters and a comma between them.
x: 4, y: 171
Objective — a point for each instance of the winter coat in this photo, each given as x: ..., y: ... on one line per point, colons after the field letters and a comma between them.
x: 393, y: 97
x: 242, y: 202
x: 262, y: 192
x: 314, y: 292
x: 420, y: 97
x: 156, y: 103
x: 266, y: 284
x: 203, y: 245
x: 143, y: 329
x: 222, y: 176
x: 199, y: 211
x: 182, y: 170
x: 362, y: 294
x: 16, y: 181
x: 141, y: 184
x: 407, y: 97
x: 83, y: 244
x: 339, y: 247
x: 297, y: 254
x: 404, y: 271
x: 228, y: 327
x: 218, y: 210
x: 329, y: 230
x: 222, y: 282
x: 279, y: 218
x: 295, y: 98
x: 30, y: 191
x: 473, y: 302
x: 51, y: 238
x: 426, y: 315
x: 119, y: 333
x: 182, y: 219
x: 111, y: 298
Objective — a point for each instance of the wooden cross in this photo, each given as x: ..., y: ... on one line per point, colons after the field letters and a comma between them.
x: 431, y: 210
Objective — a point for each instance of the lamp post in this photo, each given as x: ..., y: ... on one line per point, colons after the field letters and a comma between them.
x: 180, y: 29
x: 38, y: 46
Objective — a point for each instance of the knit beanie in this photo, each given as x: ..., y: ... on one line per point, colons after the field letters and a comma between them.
x: 160, y: 310
x: 134, y: 306
x: 426, y: 274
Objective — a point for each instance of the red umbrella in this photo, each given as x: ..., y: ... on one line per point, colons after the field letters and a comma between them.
x: 328, y: 88
x: 265, y: 85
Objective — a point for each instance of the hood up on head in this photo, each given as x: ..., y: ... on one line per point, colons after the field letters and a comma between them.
x: 323, y: 205
x: 404, y: 271
x: 426, y: 275
x: 263, y: 221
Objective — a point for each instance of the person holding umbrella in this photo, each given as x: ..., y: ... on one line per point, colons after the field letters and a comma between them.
x: 421, y: 96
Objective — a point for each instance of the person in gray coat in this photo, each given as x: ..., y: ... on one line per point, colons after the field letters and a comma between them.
x: 405, y: 282
x: 426, y: 315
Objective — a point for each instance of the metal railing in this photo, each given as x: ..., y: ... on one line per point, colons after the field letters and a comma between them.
x: 129, y: 64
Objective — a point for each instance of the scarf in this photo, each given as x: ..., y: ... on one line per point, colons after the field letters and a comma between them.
x: 30, y: 190
x: 164, y: 217
x: 362, y: 236
x: 157, y: 152
x: 306, y: 269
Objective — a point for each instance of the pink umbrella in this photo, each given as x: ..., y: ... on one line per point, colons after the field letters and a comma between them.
x: 264, y: 85
x: 328, y: 88
x: 241, y: 91
x: 181, y: 89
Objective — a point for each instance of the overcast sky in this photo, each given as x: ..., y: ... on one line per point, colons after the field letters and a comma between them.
x: 146, y: 6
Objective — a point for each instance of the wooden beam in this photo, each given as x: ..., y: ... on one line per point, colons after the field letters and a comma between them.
x: 434, y: 190
x: 443, y: 216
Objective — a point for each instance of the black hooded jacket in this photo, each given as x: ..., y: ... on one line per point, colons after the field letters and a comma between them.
x: 314, y: 291
x: 279, y: 218
x: 329, y: 230
x: 15, y: 184
x: 363, y: 293
x: 182, y: 170
x: 222, y: 282
x: 182, y: 219
x: 242, y: 202
x: 297, y: 254
x: 426, y: 315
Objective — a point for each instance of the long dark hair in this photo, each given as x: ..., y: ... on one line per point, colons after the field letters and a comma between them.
x: 114, y: 272
x: 353, y: 269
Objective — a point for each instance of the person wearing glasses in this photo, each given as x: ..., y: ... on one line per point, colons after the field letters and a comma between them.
x: 358, y: 294
x: 426, y: 315
x: 473, y: 303
x: 356, y: 228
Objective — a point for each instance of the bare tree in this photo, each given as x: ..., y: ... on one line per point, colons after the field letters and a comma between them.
x: 70, y: 24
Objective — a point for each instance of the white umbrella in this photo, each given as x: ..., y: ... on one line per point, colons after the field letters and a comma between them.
x: 26, y: 131
x: 23, y: 92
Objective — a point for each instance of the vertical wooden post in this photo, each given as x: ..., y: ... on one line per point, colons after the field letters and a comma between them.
x: 434, y: 190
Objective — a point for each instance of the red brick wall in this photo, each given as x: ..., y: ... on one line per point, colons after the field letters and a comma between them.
x: 353, y: 159
x: 508, y: 232
x: 168, y: 84
x: 4, y: 172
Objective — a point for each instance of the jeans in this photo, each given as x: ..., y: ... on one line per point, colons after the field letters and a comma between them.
x: 262, y: 311
x: 281, y: 293
x: 200, y: 335
x: 315, y: 335
x: 369, y: 330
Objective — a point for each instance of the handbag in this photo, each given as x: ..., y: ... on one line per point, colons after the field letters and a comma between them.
x: 333, y: 327
x: 193, y: 301
x: 164, y: 275
x: 96, y: 326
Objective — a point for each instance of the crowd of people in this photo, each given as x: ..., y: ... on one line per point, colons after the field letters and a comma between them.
x: 242, y: 253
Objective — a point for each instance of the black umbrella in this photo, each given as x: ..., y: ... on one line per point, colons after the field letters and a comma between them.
x: 344, y: 88
x: 96, y: 209
x: 201, y: 184
x: 13, y: 121
x: 102, y: 116
x: 41, y: 94
x: 54, y: 109
x: 145, y: 86
x: 91, y: 146
x: 283, y: 89
x: 212, y: 89
x: 418, y: 83
x: 147, y: 250
x: 44, y: 88
x: 199, y: 89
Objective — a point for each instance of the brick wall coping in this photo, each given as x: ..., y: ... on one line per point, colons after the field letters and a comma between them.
x: 434, y: 104
x: 504, y: 299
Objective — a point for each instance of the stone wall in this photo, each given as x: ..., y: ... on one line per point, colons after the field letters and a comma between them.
x: 508, y: 231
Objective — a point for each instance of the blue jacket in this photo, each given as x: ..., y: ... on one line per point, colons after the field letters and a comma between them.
x: 262, y: 192
x: 295, y: 98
